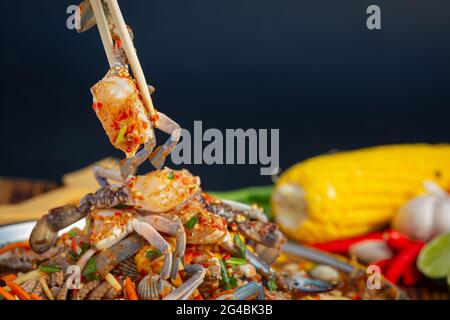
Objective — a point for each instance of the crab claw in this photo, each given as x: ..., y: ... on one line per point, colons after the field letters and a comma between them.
x: 303, y: 284
x: 245, y: 292
x: 45, y: 232
x: 110, y: 258
x: 184, y: 291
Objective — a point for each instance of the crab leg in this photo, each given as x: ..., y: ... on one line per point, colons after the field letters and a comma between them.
x: 228, y: 212
x: 102, y: 175
x: 167, y: 125
x: 110, y: 258
x: 129, y: 166
x: 87, y: 19
x: 265, y: 253
x: 155, y: 239
x: 171, y: 225
x: 45, y: 232
x: 262, y: 267
x: 267, y: 234
x: 184, y: 291
x: 300, y: 283
x: 245, y: 292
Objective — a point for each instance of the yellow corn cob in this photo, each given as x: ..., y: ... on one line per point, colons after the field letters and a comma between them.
x: 340, y: 195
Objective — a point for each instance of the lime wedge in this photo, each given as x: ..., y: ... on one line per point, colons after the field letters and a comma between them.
x: 434, y: 259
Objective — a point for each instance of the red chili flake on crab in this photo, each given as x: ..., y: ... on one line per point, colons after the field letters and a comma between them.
x: 122, y: 116
x: 118, y: 214
x: 202, y: 219
x: 130, y: 128
x: 154, y: 118
x: 73, y: 246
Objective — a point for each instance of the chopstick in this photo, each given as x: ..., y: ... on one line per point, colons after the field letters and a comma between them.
x: 103, y: 28
x: 130, y: 51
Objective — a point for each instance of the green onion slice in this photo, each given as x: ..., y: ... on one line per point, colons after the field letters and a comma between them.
x: 121, y: 134
x: 192, y: 222
x: 240, y: 245
x: 236, y: 261
x: 153, y: 254
x: 49, y: 269
x: 224, y: 274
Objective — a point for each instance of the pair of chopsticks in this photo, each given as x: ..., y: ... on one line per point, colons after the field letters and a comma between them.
x: 127, y: 43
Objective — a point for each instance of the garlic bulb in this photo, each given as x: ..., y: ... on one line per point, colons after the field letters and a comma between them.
x: 425, y: 216
x: 370, y: 251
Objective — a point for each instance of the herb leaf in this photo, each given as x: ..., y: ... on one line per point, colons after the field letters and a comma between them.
x: 170, y: 176
x: 272, y: 285
x: 90, y: 270
x: 85, y: 247
x: 153, y: 254
x: 192, y: 222
x: 233, y: 282
x: 240, y: 245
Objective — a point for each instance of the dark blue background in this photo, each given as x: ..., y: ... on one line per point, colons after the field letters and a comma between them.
x: 308, y: 67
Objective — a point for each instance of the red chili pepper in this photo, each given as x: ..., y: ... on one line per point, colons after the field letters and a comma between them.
x: 403, y: 260
x: 383, y: 264
x: 411, y: 275
x: 397, y: 241
x: 342, y: 246
x: 73, y: 246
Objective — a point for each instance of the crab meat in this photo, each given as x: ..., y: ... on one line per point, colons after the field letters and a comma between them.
x: 119, y: 107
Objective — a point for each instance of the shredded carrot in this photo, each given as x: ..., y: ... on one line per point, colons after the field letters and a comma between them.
x: 35, y: 296
x: 6, y: 294
x: 222, y: 293
x: 15, y: 245
x: 9, y: 277
x: 22, y: 294
x: 129, y: 289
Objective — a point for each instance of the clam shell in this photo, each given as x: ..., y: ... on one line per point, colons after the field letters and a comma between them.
x: 147, y: 288
x: 325, y: 273
x: 128, y: 268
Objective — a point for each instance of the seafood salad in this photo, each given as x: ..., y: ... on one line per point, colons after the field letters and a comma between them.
x: 159, y: 236
x: 155, y: 236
